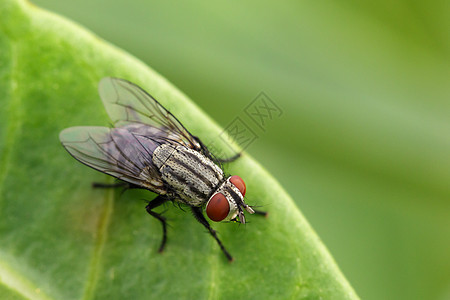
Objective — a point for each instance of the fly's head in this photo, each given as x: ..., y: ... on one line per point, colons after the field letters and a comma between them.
x: 227, y: 202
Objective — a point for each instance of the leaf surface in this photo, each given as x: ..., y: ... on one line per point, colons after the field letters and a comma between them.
x: 61, y: 239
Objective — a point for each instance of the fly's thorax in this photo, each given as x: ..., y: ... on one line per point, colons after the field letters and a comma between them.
x: 190, y: 174
x: 162, y: 154
x: 227, y: 202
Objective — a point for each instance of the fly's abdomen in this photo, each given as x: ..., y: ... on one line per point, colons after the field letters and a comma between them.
x: 189, y: 173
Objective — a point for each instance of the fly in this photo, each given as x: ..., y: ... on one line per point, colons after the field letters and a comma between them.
x: 148, y: 148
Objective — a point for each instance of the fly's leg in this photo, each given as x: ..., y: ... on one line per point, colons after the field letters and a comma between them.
x: 206, y: 152
x: 110, y: 185
x: 125, y: 185
x: 150, y: 206
x: 197, y: 211
x: 260, y: 212
x: 229, y: 159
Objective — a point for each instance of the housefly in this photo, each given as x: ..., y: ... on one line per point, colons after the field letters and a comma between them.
x: 149, y: 148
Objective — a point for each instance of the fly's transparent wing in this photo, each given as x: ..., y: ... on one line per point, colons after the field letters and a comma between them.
x: 128, y: 104
x: 117, y: 152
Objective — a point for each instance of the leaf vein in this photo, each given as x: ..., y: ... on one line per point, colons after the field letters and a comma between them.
x: 101, y: 238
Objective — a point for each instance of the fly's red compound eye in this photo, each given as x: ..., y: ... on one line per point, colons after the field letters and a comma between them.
x: 239, y: 183
x: 218, y: 208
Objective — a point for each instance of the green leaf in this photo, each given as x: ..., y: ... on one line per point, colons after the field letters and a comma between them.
x: 61, y: 239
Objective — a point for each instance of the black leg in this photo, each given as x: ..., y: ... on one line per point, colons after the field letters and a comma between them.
x: 229, y: 159
x: 206, y: 152
x: 109, y: 185
x: 153, y: 204
x: 260, y: 212
x: 197, y: 211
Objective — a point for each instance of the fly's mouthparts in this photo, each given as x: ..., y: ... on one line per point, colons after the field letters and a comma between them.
x: 241, y: 217
x: 249, y: 209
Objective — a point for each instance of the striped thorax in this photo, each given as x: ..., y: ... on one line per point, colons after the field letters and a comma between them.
x: 189, y: 173
x: 197, y: 180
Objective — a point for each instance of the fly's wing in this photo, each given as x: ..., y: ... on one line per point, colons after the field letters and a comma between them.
x: 127, y: 104
x: 116, y: 152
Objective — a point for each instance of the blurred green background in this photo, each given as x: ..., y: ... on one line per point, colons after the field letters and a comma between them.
x: 363, y: 144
